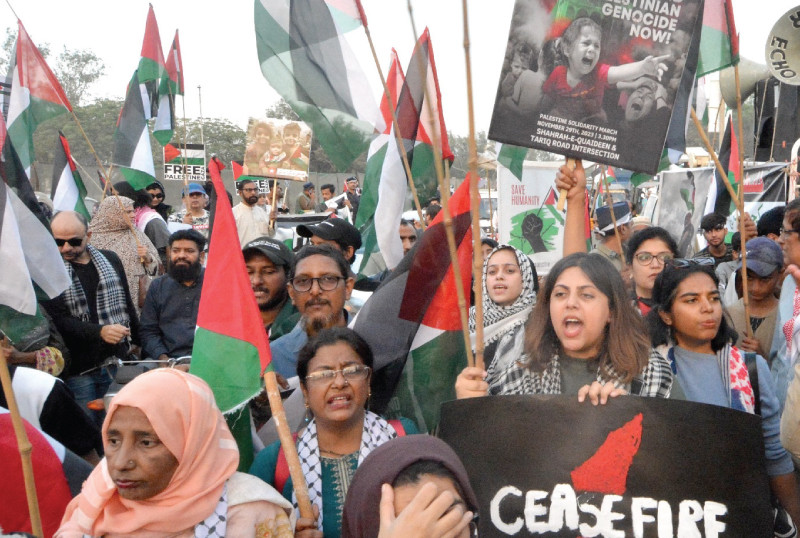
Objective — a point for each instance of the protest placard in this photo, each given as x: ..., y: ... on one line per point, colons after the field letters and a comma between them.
x: 185, y: 162
x: 550, y: 466
x: 277, y: 149
x: 599, y: 82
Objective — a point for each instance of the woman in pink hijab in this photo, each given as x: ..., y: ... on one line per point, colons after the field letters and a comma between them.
x: 170, y: 470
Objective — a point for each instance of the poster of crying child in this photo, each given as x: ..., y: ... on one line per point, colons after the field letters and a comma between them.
x: 594, y: 79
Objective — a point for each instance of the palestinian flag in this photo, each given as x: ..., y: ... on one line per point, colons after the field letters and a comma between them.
x: 417, y: 127
x: 365, y: 222
x: 36, y: 96
x: 16, y: 289
x: 152, y: 67
x: 190, y: 154
x: 413, y: 325
x: 230, y: 350
x: 306, y: 60
x: 512, y: 157
x: 132, y: 151
x: 68, y: 189
x: 719, y: 199
x: 347, y: 14
x: 681, y: 120
x: 175, y: 67
x: 719, y: 43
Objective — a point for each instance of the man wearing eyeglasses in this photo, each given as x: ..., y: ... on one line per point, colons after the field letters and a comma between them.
x: 95, y: 315
x: 714, y: 232
x: 252, y: 221
x: 319, y: 285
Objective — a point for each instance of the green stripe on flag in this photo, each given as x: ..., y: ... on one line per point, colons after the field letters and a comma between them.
x: 190, y: 162
x: 227, y: 365
x: 136, y: 178
x: 20, y: 132
x: 715, y: 51
x: 513, y: 158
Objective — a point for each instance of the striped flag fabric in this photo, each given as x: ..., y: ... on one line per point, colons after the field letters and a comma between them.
x: 36, y: 96
x: 16, y: 288
x: 418, y: 128
x: 309, y: 63
x: 132, y: 150
x: 152, y: 67
x: 347, y: 14
x: 191, y: 154
x: 719, y: 42
x: 513, y: 158
x: 175, y: 67
x: 68, y: 189
x: 719, y: 199
x: 412, y: 322
x: 230, y: 349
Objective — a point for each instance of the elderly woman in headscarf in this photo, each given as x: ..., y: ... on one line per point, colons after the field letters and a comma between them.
x: 170, y: 470
x: 111, y: 230
x: 509, y: 288
x: 410, y: 486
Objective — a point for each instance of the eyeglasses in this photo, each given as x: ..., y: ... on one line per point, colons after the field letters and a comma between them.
x: 356, y: 372
x: 785, y: 231
x: 325, y: 283
x: 73, y: 242
x: 682, y: 263
x: 157, y: 195
x: 646, y: 258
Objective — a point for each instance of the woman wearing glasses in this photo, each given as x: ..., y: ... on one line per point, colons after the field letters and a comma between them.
x: 647, y: 252
x: 688, y: 324
x: 334, y: 368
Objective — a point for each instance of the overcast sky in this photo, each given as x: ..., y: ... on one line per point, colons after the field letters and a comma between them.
x: 219, y: 53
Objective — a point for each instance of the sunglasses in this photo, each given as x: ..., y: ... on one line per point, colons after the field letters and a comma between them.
x: 157, y: 195
x: 73, y: 241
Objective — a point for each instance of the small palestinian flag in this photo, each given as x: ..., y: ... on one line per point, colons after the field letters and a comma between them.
x: 132, y: 150
x: 68, y: 188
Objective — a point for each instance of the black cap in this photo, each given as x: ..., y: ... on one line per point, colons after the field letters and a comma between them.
x: 333, y: 229
x: 307, y: 186
x: 277, y: 252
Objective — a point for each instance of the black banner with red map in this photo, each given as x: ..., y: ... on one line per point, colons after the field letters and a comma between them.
x: 550, y: 466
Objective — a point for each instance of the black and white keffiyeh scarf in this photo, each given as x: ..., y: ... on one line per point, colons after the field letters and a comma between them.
x: 499, y: 320
x: 111, y: 303
x: 376, y: 432
x: 215, y: 525
x: 655, y: 380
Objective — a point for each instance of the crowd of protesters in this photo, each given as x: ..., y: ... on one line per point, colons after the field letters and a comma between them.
x: 629, y: 318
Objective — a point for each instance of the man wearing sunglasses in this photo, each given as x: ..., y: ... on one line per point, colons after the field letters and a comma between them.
x: 319, y: 285
x: 95, y: 315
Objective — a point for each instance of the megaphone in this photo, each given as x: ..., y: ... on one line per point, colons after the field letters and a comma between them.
x: 750, y: 74
x: 782, y: 51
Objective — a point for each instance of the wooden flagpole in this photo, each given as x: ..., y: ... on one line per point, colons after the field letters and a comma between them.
x: 444, y: 190
x: 25, y: 447
x: 610, y: 203
x: 740, y: 204
x: 475, y: 202
x: 396, y: 128
x: 274, y: 209
x: 288, y: 446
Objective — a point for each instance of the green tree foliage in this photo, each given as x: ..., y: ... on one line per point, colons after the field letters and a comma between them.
x: 77, y: 70
x: 223, y: 138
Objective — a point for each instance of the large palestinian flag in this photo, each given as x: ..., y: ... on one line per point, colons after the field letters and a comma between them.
x: 307, y: 61
x: 719, y: 43
x: 231, y: 349
x: 132, y: 151
x: 36, y: 96
x: 413, y: 325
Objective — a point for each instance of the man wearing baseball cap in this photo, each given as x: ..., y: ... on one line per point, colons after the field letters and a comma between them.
x: 194, y: 209
x: 609, y: 247
x: 336, y: 232
x: 764, y: 268
x: 268, y: 263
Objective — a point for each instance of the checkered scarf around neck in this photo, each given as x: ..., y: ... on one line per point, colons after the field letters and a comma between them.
x: 499, y: 320
x: 376, y: 432
x: 735, y: 377
x: 111, y: 303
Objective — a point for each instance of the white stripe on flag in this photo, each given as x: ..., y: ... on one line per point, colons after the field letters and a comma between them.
x: 43, y: 259
x: 16, y: 290
x: 66, y: 195
x: 391, y: 198
x: 142, y: 156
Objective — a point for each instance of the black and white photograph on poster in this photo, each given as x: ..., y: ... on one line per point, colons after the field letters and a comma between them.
x: 594, y: 79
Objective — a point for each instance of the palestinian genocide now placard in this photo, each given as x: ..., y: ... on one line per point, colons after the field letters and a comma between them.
x: 594, y: 79
x: 277, y: 149
x: 551, y: 466
x: 185, y: 162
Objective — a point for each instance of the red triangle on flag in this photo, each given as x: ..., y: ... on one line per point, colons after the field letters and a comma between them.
x: 171, y: 152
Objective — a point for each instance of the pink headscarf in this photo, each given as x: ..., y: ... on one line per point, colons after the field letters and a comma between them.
x: 184, y: 415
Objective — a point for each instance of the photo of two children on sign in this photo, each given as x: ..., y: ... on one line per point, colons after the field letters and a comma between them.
x: 591, y: 67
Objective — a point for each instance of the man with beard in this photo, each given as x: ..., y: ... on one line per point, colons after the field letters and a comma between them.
x: 319, y: 285
x: 268, y: 263
x: 252, y: 221
x: 169, y: 315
